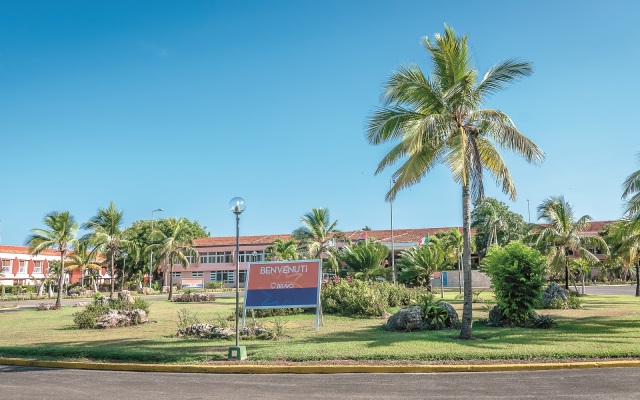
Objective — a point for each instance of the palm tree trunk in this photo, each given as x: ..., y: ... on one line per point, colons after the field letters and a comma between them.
x: 60, y: 281
x: 566, y: 273
x: 170, y: 281
x: 467, y: 317
x: 112, y: 273
x: 638, y: 279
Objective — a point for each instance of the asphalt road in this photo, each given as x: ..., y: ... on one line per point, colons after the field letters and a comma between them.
x: 594, y: 384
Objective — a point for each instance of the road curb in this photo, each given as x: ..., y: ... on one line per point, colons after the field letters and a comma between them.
x: 314, y: 369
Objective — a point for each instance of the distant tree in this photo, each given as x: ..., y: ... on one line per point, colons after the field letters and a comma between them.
x: 280, y: 250
x: 318, y: 235
x: 631, y: 192
x: 561, y: 238
x: 107, y: 235
x: 440, y: 120
x: 174, y: 245
x: 495, y: 224
x: 418, y: 263
x: 83, y: 258
x: 365, y: 258
x: 624, y: 241
x: 62, y: 230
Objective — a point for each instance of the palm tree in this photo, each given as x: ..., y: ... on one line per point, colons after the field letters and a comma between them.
x: 631, y: 190
x: 625, y: 245
x: 62, y: 230
x: 175, y: 245
x: 440, y: 120
x: 280, y: 250
x: 418, y: 263
x: 85, y: 259
x: 365, y: 258
x: 561, y: 238
x: 318, y: 235
x: 107, y: 235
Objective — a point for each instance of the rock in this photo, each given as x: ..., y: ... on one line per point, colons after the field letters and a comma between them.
x: 208, y: 331
x: 118, y: 318
x: 452, y: 321
x: 145, y: 290
x: 194, y: 297
x: 126, y: 296
x: 80, y: 304
x: 165, y: 289
x: 555, y: 296
x: 408, y: 319
x: 46, y: 307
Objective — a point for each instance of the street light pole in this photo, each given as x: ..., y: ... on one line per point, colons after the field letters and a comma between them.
x: 151, y: 252
x: 237, y: 206
x: 393, y: 254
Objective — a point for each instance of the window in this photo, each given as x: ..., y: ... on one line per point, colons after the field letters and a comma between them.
x: 190, y: 259
x: 220, y: 257
x: 242, y: 275
x: 248, y: 256
x: 222, y: 276
x: 175, y: 274
x: 6, y: 266
x: 22, y: 266
x: 197, y: 274
x: 37, y: 267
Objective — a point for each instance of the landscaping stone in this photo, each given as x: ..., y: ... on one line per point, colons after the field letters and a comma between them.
x: 408, y: 319
x: 208, y: 331
x: 46, y: 307
x: 555, y: 295
x: 119, y: 318
x: 452, y: 321
x: 145, y: 290
x: 126, y: 296
x: 194, y: 297
x: 80, y: 304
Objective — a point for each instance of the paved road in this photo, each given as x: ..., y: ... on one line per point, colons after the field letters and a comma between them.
x: 609, y: 289
x: 595, y: 384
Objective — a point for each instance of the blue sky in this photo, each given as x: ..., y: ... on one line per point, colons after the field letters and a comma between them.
x: 184, y: 105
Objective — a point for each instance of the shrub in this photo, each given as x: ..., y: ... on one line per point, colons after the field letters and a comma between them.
x: 354, y: 297
x: 87, y: 318
x: 574, y: 301
x: 516, y: 273
x: 187, y: 318
x: 214, y: 285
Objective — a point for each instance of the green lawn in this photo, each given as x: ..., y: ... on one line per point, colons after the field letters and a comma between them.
x: 607, y: 327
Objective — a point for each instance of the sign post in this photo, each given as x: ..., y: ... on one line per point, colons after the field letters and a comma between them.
x: 283, y: 284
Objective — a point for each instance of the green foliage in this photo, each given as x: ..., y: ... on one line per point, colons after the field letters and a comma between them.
x: 87, y: 318
x: 544, y: 322
x: 573, y: 301
x: 417, y: 264
x: 496, y: 224
x: 365, y: 258
x: 214, y: 285
x: 280, y: 250
x: 354, y: 297
x: 187, y: 318
x: 516, y: 273
x: 279, y: 330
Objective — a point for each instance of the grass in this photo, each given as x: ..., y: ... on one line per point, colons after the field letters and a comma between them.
x: 607, y: 327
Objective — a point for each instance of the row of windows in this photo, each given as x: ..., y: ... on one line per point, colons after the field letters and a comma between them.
x: 251, y: 256
x: 216, y: 276
x: 7, y: 266
x: 219, y: 257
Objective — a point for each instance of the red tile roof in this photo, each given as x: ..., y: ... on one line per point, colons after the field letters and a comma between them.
x: 399, y: 236
x: 25, y: 250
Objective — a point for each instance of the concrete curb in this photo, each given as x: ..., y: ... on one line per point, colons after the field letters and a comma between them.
x: 314, y: 369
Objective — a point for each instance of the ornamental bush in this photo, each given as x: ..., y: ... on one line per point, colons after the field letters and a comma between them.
x: 354, y: 297
x: 516, y: 273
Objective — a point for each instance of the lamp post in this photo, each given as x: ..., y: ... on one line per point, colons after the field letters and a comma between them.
x: 151, y: 252
x: 124, y: 267
x: 393, y: 255
x: 237, y: 206
x: 528, y: 211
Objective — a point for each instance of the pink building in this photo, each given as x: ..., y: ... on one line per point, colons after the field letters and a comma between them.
x: 217, y: 254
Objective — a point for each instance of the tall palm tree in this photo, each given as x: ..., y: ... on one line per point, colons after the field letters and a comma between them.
x: 561, y: 237
x: 318, y: 234
x: 85, y: 259
x: 631, y: 192
x: 174, y: 245
x: 439, y: 120
x: 365, y: 258
x: 62, y: 230
x: 107, y: 234
x: 280, y: 250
